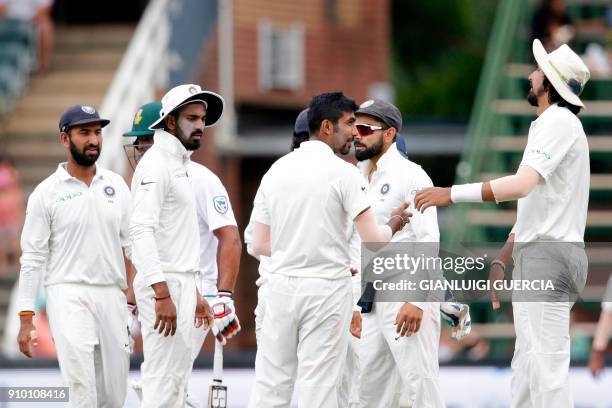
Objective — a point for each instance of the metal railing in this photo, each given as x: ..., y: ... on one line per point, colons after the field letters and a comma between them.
x: 143, y: 69
x: 503, y: 33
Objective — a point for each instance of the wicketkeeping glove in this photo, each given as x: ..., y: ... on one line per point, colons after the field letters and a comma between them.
x: 132, y: 313
x: 224, y: 314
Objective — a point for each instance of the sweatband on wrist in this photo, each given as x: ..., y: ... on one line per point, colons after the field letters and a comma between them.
x: 466, y: 193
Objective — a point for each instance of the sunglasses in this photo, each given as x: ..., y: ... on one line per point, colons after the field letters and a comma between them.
x: 366, y: 130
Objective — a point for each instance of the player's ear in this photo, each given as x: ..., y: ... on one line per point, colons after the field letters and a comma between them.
x: 390, y: 135
x: 327, y: 127
x: 65, y: 139
x: 170, y: 122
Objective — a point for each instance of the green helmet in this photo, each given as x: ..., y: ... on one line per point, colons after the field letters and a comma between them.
x: 145, y: 117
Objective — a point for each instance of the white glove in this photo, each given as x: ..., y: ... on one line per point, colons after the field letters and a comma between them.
x: 132, y: 323
x: 224, y: 314
x: 457, y: 316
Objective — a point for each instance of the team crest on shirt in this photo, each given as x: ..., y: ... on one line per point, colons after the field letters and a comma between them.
x: 221, y: 204
x: 109, y: 191
x: 385, y: 188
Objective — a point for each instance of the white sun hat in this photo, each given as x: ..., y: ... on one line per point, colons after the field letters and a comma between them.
x: 564, y: 69
x: 189, y: 93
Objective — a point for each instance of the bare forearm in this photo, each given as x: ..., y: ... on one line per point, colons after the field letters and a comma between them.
x: 228, y: 262
x: 603, y: 331
x: 505, y: 255
x: 130, y: 273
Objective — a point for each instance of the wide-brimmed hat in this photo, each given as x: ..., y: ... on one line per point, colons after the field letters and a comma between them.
x: 564, y: 69
x: 145, y: 117
x: 189, y: 93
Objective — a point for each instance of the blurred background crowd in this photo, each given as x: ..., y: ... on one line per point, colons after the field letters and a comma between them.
x: 456, y: 69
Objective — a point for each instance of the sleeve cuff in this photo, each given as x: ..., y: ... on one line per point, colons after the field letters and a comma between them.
x: 154, y: 278
x: 27, y: 304
x: 537, y: 168
x: 420, y: 305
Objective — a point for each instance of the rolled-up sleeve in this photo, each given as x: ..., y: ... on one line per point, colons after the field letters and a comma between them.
x: 34, y: 250
x: 149, y: 187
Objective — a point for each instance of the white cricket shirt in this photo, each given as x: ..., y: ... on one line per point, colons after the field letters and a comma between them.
x: 308, y: 197
x: 556, y: 209
x: 76, y: 231
x: 164, y: 224
x: 396, y: 180
x: 214, y: 211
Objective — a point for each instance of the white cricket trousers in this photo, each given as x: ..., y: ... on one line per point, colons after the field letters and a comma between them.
x: 348, y: 394
x: 540, y: 365
x: 89, y: 328
x: 167, y: 360
x: 390, y: 367
x: 207, y: 289
x: 304, y: 333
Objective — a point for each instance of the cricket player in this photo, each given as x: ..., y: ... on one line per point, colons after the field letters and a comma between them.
x: 552, y: 188
x: 76, y: 226
x: 166, y: 244
x: 409, y: 362
x: 301, y: 215
x: 219, y: 236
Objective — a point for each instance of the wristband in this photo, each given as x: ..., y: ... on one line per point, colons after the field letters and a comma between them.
x: 466, y: 193
x: 500, y: 263
x: 227, y: 293
x: 161, y: 297
x: 26, y: 313
x: 402, y: 222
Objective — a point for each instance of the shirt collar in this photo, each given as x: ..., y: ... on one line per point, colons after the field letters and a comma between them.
x: 63, y: 174
x: 385, y: 160
x: 550, y: 110
x: 316, y: 145
x: 170, y: 144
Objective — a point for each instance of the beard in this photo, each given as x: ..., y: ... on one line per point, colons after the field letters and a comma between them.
x: 344, y: 150
x: 532, y: 98
x: 81, y: 158
x: 369, y: 152
x: 186, y: 141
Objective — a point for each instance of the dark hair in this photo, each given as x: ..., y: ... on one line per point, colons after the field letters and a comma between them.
x: 554, y: 97
x: 298, y: 138
x: 330, y: 106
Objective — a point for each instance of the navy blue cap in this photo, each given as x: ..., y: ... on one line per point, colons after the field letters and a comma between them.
x: 400, y: 143
x: 80, y: 115
x: 301, y: 123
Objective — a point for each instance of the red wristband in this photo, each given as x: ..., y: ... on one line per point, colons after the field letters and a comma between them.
x: 161, y: 298
x: 26, y: 313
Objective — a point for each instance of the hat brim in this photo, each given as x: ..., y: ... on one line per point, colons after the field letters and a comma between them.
x: 214, y: 108
x: 541, y: 57
x: 138, y: 133
x: 102, y: 122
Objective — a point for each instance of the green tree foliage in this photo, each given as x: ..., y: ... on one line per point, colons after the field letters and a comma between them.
x: 438, y: 50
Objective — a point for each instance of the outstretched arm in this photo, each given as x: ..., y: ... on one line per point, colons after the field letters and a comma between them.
x: 502, y: 189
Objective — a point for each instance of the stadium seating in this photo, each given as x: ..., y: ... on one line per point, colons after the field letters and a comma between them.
x: 497, y: 136
x: 17, y: 60
x: 501, y: 118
